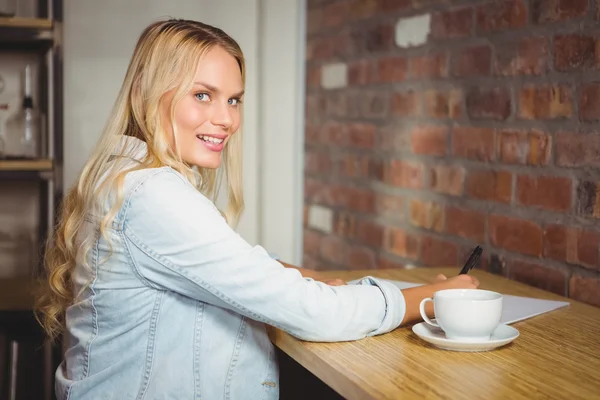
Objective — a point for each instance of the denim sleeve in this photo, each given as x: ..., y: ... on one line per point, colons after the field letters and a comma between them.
x: 180, y: 242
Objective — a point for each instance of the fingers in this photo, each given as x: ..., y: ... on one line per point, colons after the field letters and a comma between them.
x: 440, y: 277
x: 335, y: 282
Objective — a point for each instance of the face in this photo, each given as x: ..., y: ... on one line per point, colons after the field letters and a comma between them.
x: 208, y: 116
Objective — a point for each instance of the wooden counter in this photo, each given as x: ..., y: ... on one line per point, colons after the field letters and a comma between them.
x: 557, y: 355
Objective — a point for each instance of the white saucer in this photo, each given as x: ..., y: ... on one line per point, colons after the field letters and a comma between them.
x: 503, y: 335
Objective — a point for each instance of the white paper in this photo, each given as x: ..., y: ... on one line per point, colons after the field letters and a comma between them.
x: 514, y: 308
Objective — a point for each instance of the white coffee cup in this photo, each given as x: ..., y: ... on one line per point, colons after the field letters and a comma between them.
x: 465, y: 314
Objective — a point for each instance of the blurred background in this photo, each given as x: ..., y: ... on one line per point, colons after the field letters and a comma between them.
x: 378, y: 134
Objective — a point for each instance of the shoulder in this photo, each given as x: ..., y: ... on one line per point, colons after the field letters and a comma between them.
x: 162, y: 192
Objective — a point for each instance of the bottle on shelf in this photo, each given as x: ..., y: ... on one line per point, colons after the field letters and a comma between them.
x: 22, y: 129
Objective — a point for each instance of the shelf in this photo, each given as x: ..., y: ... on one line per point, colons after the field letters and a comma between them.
x: 24, y: 33
x: 17, y: 22
x: 25, y: 165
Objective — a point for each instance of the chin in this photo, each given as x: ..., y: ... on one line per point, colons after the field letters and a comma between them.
x: 213, y: 163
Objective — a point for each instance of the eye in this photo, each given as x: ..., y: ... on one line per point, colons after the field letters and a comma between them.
x: 202, y: 96
x: 235, y: 101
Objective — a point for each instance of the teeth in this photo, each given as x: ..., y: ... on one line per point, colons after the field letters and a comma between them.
x: 210, y: 139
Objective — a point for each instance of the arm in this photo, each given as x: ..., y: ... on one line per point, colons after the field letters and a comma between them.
x: 309, y: 273
x: 181, y: 243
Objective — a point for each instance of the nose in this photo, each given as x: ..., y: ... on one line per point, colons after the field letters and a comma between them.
x: 222, y: 116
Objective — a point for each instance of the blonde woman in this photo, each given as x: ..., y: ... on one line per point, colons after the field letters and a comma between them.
x: 156, y: 295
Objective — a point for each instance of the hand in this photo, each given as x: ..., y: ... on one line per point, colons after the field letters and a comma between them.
x: 456, y: 282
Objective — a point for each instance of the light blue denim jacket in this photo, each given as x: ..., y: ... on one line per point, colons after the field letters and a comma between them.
x: 179, y: 309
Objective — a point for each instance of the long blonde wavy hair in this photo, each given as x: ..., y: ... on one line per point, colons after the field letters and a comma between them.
x: 165, y: 59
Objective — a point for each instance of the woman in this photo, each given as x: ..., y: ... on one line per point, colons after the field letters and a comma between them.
x: 157, y: 296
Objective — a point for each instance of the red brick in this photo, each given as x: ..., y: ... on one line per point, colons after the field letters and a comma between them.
x: 578, y: 149
x: 455, y: 103
x: 516, y: 235
x: 588, y: 199
x: 543, y: 11
x: 448, y: 179
x: 322, y: 48
x: 361, y: 258
x: 370, y: 233
x: 452, y: 24
x: 313, y: 77
x: 439, y: 253
x: 392, y: 69
x: 529, y: 56
x: 335, y: 13
x: 430, y: 66
x: 427, y: 214
x: 394, y: 136
x: 429, y: 140
x: 315, y: 106
x: 585, y: 289
x: 364, y: 9
x: 376, y: 169
x: 372, y: 39
x: 407, y: 104
x: 312, y: 134
x: 314, y: 20
x: 305, y: 216
x: 500, y: 15
x: 546, y: 102
x: 317, y: 162
x: 395, y: 5
x: 405, y: 174
x: 436, y: 103
x: 490, y: 185
x: 336, y: 104
x: 589, y: 102
x: 464, y: 223
x: 355, y: 199
x: 361, y: 72
x: 333, y: 249
x: 536, y: 275
x: 573, y: 245
x: 472, y: 61
x: 524, y: 147
x: 361, y: 135
x: 312, y: 242
x: 353, y: 166
x: 574, y: 51
x: 473, y: 143
x: 401, y: 243
x: 375, y: 105
x: 384, y: 263
x: 550, y: 192
x: 388, y: 206
x: 489, y: 103
x: 344, y: 224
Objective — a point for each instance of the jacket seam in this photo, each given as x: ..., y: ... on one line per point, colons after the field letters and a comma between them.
x: 133, y: 264
x: 127, y: 201
x: 197, y: 346
x: 197, y: 281
x: 234, y: 357
x: 95, y: 328
x: 150, y: 346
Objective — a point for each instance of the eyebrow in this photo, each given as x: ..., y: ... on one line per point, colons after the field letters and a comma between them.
x: 214, y: 89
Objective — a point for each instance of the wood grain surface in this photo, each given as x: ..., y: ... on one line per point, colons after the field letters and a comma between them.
x: 557, y: 355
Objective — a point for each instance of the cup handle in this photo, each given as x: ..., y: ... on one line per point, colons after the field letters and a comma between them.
x: 424, y: 314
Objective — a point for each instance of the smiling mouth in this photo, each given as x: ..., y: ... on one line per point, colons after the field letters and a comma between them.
x: 210, y: 139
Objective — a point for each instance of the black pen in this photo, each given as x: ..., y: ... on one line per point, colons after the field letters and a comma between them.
x: 472, y: 260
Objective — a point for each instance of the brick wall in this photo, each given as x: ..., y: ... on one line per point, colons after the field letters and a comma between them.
x: 436, y: 125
